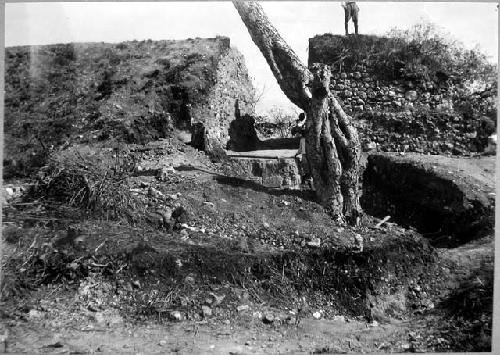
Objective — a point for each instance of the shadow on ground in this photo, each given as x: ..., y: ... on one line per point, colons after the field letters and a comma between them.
x: 307, y: 195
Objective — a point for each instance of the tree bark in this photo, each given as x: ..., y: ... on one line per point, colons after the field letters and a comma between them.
x: 349, y: 147
x: 291, y: 74
x: 332, y: 143
x: 333, y: 150
x: 1, y: 266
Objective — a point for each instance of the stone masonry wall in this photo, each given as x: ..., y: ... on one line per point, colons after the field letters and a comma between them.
x: 404, y: 116
x: 359, y: 92
x: 362, y: 87
x: 282, y: 173
x: 231, y: 97
x: 394, y: 110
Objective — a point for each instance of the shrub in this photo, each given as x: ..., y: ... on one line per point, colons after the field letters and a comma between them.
x: 94, y: 180
x: 277, y: 123
x: 421, y: 53
x: 428, y: 52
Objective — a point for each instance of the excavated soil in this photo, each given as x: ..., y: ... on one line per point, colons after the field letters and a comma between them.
x: 217, y: 264
x: 448, y: 200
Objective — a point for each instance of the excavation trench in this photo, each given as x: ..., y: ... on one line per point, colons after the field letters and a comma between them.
x: 444, y: 206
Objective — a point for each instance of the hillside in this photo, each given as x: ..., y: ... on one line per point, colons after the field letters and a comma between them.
x: 132, y: 92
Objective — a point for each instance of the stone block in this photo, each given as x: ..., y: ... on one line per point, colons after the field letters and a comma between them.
x: 347, y: 93
x: 273, y: 173
x: 411, y: 95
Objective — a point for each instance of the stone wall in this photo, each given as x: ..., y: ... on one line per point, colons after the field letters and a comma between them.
x: 395, y: 110
x: 363, y: 86
x: 231, y: 97
x: 359, y: 92
x: 272, y: 173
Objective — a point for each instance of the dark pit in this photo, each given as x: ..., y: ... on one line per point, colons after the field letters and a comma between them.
x: 438, y: 204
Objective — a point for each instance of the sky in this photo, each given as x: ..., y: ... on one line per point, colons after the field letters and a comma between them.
x: 472, y: 23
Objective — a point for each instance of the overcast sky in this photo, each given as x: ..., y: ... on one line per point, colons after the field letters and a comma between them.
x: 46, y: 23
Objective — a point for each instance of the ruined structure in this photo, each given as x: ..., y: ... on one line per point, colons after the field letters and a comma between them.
x: 362, y: 85
x: 230, y: 97
x: 133, y: 92
x: 396, y: 109
x: 141, y: 91
x: 400, y: 105
x: 278, y: 172
x: 332, y: 144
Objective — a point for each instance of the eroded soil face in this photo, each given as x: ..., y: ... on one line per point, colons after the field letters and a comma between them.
x: 222, y: 265
x: 449, y: 200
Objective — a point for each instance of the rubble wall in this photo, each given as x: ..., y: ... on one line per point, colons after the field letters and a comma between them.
x: 282, y: 173
x: 231, y: 97
x: 396, y: 110
x: 364, y: 88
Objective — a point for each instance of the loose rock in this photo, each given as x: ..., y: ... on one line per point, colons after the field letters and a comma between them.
x: 175, y: 316
x: 35, y: 314
x: 315, y: 242
x: 180, y: 215
x: 206, y: 311
x: 242, y: 308
x: 268, y: 318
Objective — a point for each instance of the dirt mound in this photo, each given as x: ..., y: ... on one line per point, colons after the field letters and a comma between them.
x: 271, y: 264
x: 133, y: 92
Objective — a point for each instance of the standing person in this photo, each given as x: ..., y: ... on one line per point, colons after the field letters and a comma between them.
x: 487, y: 135
x: 351, y: 11
x: 300, y: 130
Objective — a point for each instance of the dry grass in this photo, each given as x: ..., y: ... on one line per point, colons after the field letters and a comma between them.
x: 32, y: 262
x: 94, y: 180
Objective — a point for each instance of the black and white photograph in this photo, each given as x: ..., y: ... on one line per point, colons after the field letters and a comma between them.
x: 249, y: 177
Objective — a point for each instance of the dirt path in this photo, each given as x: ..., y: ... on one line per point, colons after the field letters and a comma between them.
x: 329, y: 336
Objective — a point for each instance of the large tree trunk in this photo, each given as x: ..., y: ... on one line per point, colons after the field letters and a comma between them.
x: 1, y: 268
x: 291, y: 74
x: 332, y: 143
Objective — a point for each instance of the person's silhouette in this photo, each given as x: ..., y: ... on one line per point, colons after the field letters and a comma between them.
x: 351, y: 11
